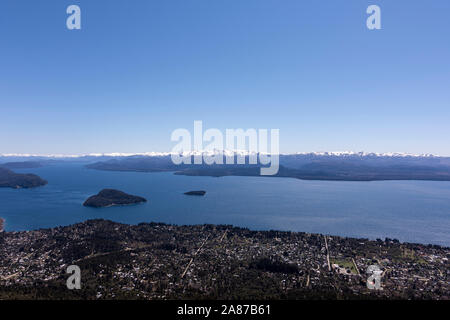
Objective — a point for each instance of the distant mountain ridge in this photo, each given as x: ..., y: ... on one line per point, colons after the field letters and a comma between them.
x: 111, y: 197
x: 21, y: 165
x: 310, y: 166
x: 112, y: 155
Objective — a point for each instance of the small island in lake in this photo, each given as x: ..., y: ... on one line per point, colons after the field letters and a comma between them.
x: 195, y: 193
x: 14, y: 180
x: 111, y: 197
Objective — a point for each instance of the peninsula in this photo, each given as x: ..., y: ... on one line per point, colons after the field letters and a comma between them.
x: 111, y: 197
x: 195, y: 193
x: 14, y: 180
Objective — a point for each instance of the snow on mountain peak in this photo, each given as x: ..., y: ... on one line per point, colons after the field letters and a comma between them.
x: 212, y: 152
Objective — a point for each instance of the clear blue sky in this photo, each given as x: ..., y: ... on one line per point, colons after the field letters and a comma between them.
x: 140, y: 69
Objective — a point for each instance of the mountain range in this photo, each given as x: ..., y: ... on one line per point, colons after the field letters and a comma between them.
x: 348, y: 166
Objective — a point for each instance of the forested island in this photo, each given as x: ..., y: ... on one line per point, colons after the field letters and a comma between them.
x: 111, y: 197
x: 14, y: 180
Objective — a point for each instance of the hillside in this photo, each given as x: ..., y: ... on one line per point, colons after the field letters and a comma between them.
x: 353, y: 167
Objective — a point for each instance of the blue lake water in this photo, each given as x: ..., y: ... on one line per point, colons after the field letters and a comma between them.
x: 413, y: 211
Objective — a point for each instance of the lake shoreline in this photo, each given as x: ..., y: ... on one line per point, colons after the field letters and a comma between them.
x: 2, y: 224
x: 255, y: 230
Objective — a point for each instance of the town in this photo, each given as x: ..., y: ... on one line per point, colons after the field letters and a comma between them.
x: 160, y: 261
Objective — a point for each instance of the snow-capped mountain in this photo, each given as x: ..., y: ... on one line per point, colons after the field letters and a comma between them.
x: 212, y: 152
